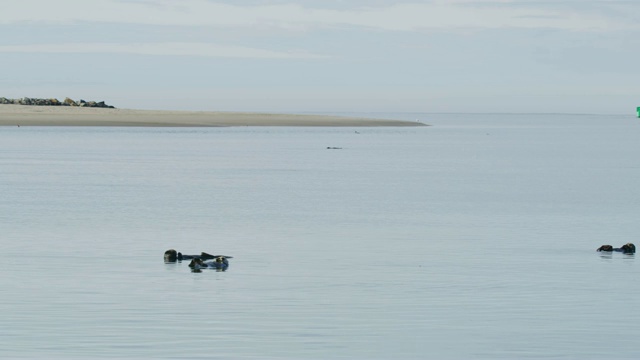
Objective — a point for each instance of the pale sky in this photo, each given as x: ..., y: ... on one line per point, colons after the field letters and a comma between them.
x: 566, y: 56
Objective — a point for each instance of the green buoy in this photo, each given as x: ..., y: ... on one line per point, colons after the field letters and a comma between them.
x: 638, y: 110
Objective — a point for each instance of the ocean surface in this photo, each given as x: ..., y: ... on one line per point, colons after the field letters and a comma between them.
x: 473, y: 238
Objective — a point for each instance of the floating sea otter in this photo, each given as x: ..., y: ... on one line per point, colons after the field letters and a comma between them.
x: 627, y: 248
x: 172, y: 256
x: 219, y: 263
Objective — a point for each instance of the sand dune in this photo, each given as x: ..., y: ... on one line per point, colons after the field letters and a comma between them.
x: 21, y: 115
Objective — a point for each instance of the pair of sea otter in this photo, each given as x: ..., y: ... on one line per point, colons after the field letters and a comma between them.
x: 627, y: 248
x: 198, y: 262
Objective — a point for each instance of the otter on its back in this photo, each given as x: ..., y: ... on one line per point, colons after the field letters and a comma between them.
x: 172, y: 255
x: 220, y: 262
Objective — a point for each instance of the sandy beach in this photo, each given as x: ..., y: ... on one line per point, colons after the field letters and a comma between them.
x: 23, y: 115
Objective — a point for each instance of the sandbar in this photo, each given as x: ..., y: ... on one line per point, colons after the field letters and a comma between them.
x: 29, y: 115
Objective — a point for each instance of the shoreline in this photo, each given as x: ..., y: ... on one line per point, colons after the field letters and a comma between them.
x: 29, y: 115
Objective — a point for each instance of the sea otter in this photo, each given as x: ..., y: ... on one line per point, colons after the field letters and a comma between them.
x: 627, y: 248
x: 219, y: 263
x: 172, y: 256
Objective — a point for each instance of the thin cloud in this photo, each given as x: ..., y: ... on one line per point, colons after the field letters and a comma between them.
x: 394, y: 17
x: 160, y: 49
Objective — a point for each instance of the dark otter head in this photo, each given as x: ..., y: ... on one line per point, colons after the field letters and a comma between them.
x: 628, y: 248
x: 196, y: 263
x: 171, y: 255
x: 605, y: 248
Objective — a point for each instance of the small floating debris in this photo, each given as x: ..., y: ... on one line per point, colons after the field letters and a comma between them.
x: 333, y: 148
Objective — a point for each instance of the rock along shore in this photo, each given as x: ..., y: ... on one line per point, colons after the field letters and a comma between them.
x: 55, y: 102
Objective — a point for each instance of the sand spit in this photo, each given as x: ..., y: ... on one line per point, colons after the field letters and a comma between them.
x: 22, y: 115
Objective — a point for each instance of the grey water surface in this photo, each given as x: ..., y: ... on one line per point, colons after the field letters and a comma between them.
x: 471, y: 238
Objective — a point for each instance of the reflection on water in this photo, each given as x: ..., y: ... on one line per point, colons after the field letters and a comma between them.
x: 610, y: 255
x: 338, y: 254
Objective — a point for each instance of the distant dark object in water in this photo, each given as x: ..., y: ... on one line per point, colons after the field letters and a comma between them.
x: 219, y: 263
x: 333, y: 147
x: 172, y: 256
x: 627, y: 248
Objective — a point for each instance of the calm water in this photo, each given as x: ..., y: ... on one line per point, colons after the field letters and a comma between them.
x: 473, y: 238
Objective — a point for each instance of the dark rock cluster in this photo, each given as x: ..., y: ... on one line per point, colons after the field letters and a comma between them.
x: 55, y: 102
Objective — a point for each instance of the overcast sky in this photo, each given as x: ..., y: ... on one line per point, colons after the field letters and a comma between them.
x: 570, y: 56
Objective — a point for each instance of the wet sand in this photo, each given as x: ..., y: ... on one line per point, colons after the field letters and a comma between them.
x: 22, y: 115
